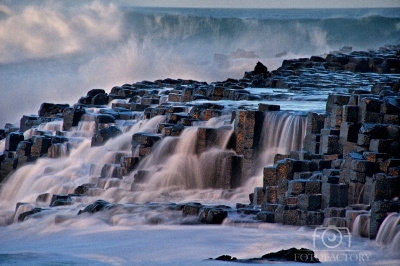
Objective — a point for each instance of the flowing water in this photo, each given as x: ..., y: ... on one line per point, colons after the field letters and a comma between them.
x: 138, y: 232
x: 389, y: 232
x: 63, y: 49
x: 175, y: 170
x: 102, y: 44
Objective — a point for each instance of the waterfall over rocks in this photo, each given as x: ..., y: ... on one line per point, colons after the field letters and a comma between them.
x: 282, y: 132
x: 152, y: 135
x: 270, y: 147
x: 201, y: 158
x: 389, y: 232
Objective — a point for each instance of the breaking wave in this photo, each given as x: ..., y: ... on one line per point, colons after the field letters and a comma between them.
x: 62, y: 49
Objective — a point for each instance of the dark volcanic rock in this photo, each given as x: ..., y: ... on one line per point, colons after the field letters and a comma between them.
x: 40, y: 146
x: 293, y: 254
x: 83, y: 189
x: 142, y: 143
x: 100, y: 99
x: 23, y: 215
x: 72, y: 117
x: 95, y: 92
x: 213, y: 214
x: 98, y: 205
x: 27, y: 122
x: 12, y: 140
x: 226, y: 258
x: 191, y: 209
x: 7, y: 166
x: 105, y: 134
x: 60, y: 200
x: 260, y: 69
x: 51, y: 109
x: 105, y: 119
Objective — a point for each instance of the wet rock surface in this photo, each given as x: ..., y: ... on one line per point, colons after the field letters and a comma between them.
x: 98, y: 205
x: 349, y: 156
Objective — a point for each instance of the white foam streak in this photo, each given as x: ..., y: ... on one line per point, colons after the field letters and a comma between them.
x: 51, y: 126
x: 394, y: 246
x: 283, y: 132
x: 176, y: 173
x: 389, y: 229
x: 2, y: 145
x: 63, y: 175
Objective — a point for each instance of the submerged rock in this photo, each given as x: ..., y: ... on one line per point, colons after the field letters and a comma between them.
x: 105, y: 134
x: 24, y: 215
x: 83, y: 189
x: 213, y: 214
x: 60, y: 200
x: 293, y: 254
x: 226, y: 258
x: 98, y: 205
x: 191, y: 209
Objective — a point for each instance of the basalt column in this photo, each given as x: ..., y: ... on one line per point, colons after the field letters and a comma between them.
x: 247, y: 129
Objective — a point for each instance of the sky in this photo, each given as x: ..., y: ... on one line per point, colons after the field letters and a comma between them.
x: 268, y: 3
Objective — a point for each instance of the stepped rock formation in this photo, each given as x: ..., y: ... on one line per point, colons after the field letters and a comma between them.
x: 170, y: 135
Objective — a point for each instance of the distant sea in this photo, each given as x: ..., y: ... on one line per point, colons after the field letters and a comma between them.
x: 56, y: 51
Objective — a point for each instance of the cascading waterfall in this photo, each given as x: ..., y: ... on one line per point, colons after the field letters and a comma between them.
x: 389, y: 232
x: 52, y: 126
x: 361, y: 225
x: 49, y: 128
x: 51, y: 205
x: 58, y: 150
x: 175, y: 170
x: 51, y: 175
x: 282, y: 132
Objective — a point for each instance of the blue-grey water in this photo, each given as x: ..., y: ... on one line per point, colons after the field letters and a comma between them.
x: 57, y: 51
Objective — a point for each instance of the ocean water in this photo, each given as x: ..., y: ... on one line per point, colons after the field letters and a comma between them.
x: 57, y: 51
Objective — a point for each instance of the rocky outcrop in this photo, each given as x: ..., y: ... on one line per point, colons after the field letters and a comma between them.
x: 104, y: 134
x: 349, y: 160
x: 348, y: 165
x: 98, y: 205
x: 293, y: 254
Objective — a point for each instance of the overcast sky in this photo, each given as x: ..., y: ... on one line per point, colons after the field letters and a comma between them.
x: 269, y: 3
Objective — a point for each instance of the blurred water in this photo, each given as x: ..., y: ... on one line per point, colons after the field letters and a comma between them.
x: 63, y: 49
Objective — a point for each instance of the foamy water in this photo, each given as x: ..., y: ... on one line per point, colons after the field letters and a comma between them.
x: 152, y: 233
x: 92, y: 242
x: 64, y: 49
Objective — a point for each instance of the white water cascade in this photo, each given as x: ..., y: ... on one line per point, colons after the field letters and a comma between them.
x: 173, y: 171
x: 283, y: 132
x: 389, y: 232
